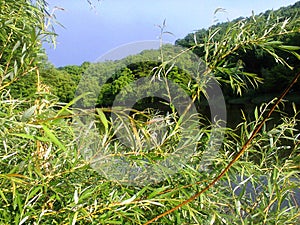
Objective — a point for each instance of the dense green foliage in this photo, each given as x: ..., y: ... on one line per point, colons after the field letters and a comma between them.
x: 20, y: 39
x: 44, y: 178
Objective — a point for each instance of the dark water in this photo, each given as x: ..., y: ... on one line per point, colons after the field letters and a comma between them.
x: 237, y: 110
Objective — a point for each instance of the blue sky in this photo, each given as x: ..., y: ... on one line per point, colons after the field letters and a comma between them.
x: 90, y: 33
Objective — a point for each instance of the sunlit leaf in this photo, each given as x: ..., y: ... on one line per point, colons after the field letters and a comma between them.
x: 53, y: 138
x: 28, y: 113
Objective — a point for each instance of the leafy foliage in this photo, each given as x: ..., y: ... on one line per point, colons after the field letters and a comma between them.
x: 249, y: 55
x: 22, y: 27
x: 45, y: 180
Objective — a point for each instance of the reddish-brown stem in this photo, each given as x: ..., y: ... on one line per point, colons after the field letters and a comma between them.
x: 238, y: 155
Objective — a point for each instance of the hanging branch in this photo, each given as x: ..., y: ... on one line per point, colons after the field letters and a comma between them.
x: 238, y: 155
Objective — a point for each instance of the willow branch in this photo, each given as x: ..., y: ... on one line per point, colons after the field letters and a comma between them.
x: 238, y: 155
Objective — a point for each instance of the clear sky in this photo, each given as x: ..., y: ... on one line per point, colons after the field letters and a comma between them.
x: 90, y: 33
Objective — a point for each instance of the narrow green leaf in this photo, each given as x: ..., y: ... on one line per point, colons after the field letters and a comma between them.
x: 76, y: 199
x: 53, y: 137
x: 256, y: 113
x: 23, y: 220
x: 34, y: 191
x: 30, y: 137
x: 3, y: 196
x: 128, y: 201
x: 157, y: 191
x: 86, y: 194
x: 28, y: 113
x: 15, y: 67
x: 16, y: 46
x: 15, y: 196
x: 289, y: 48
x: 272, y: 43
x: 296, y: 55
x: 75, y: 218
x: 24, y: 48
x: 71, y: 103
x: 102, y: 118
x: 294, y: 108
x: 9, y: 75
x: 13, y: 177
x: 113, y: 222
